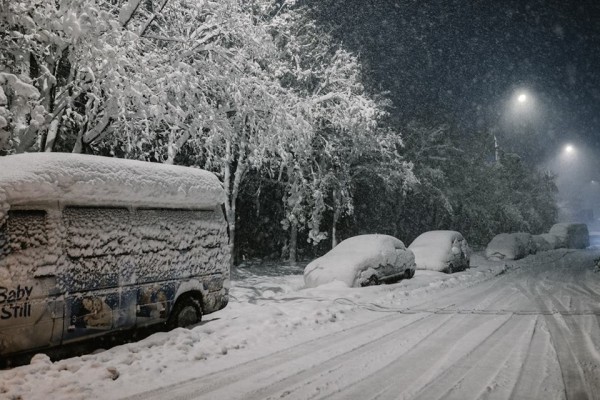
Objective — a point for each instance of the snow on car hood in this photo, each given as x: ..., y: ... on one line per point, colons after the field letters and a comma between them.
x: 85, y: 180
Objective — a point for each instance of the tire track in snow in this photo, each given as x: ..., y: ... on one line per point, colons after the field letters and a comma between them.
x: 386, y: 326
x: 477, y: 370
x: 540, y: 368
x: 485, y: 296
x: 579, y: 368
x: 317, y: 380
x: 426, y: 360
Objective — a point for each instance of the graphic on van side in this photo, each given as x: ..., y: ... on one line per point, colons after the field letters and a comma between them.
x: 107, y: 310
x: 14, y: 302
x: 89, y: 314
x: 153, y: 301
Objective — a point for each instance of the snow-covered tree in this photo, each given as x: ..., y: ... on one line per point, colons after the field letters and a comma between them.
x: 345, y: 121
x: 69, y: 69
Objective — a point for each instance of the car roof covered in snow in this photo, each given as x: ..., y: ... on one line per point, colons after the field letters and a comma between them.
x: 435, y: 239
x: 78, y: 179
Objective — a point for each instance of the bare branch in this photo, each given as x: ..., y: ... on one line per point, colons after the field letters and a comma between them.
x: 166, y: 39
x: 152, y: 18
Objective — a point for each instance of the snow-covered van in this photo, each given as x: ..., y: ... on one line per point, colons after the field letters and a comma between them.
x: 93, y: 244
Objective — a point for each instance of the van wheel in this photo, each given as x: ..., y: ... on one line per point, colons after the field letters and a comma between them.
x: 187, y: 311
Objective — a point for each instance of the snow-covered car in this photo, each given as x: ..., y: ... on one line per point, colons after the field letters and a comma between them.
x: 571, y: 235
x: 445, y: 251
x: 510, y: 246
x: 362, y: 261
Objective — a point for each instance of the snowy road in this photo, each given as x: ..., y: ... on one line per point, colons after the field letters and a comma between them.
x: 526, y: 330
x: 530, y: 333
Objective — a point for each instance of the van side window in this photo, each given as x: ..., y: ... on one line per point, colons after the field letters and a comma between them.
x: 97, y: 243
x: 174, y: 243
x: 24, y: 229
x: 96, y: 232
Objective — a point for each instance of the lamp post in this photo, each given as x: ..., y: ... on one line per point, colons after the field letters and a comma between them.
x: 496, y: 149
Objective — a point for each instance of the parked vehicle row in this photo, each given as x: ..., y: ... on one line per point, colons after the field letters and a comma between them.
x: 514, y: 246
x: 366, y: 260
x: 373, y: 259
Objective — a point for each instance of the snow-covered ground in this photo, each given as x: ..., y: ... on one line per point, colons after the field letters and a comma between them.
x: 524, y: 328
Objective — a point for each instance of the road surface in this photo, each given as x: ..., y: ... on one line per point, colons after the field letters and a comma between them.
x: 530, y: 333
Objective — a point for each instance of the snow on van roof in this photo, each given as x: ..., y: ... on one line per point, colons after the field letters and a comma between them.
x: 80, y: 179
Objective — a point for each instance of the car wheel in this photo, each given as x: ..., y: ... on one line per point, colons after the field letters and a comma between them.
x: 410, y: 273
x: 187, y: 311
x: 372, y: 281
x: 450, y: 269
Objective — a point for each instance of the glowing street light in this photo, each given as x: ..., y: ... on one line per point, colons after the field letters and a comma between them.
x: 518, y: 108
x: 569, y: 149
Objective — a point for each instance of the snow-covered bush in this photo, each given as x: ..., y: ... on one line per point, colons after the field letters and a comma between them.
x: 510, y: 246
x: 571, y: 235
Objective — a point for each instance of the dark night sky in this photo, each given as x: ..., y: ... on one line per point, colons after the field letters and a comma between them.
x: 461, y: 61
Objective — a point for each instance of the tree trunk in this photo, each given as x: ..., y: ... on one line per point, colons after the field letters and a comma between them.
x: 336, y: 217
x: 230, y: 216
x: 232, y: 190
x: 52, y: 133
x: 293, y: 247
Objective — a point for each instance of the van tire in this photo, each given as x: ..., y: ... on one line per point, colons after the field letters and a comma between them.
x: 187, y: 312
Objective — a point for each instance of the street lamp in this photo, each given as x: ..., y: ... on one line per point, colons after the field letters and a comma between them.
x: 569, y: 149
x: 520, y: 103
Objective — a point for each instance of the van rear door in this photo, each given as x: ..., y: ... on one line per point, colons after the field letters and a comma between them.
x: 29, y: 317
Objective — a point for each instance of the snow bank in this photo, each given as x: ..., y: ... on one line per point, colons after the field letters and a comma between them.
x: 349, y: 259
x: 436, y: 250
x: 573, y: 236
x: 92, y: 180
x: 510, y: 246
